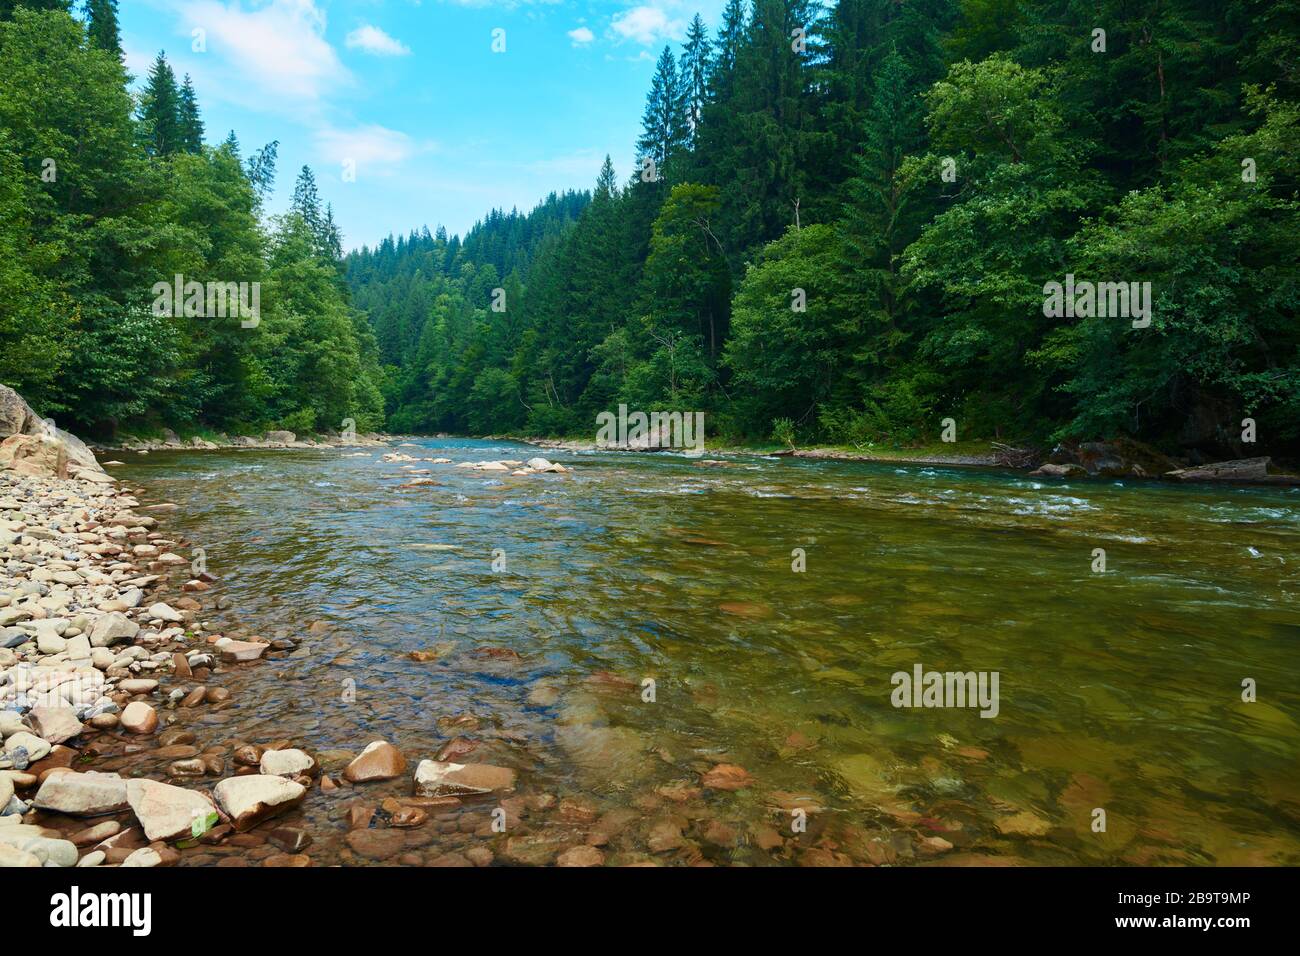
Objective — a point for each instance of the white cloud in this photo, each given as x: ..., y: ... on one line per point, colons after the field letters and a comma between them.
x: 647, y: 24
x: 371, y: 146
x: 373, y: 40
x: 279, y: 45
x: 581, y: 36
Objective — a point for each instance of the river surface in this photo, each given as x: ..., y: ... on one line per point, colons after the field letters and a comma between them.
x: 1119, y: 691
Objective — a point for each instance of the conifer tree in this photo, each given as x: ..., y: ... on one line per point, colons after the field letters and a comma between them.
x: 101, y: 26
x: 695, y: 75
x: 190, y: 125
x: 663, y: 125
x: 160, y: 110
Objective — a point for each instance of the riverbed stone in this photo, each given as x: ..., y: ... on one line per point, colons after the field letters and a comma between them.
x: 249, y: 800
x: 50, y: 851
x: 12, y: 856
x: 164, y: 612
x: 34, y: 748
x: 233, y: 651
x: 377, y: 844
x: 82, y: 794
x: 436, y: 779
x: 139, y: 718
x: 379, y: 761
x: 287, y: 763
x: 138, y: 685
x: 96, y: 834
x: 112, y: 629
x: 165, y: 811
x: 55, y: 724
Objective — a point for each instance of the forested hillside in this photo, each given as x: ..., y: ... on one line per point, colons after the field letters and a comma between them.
x: 844, y: 221
x: 104, y: 195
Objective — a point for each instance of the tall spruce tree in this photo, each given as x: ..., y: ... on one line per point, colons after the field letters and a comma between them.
x: 101, y: 25
x: 696, y: 56
x: 160, y: 110
x: 664, y: 131
x: 189, y: 124
x: 881, y: 216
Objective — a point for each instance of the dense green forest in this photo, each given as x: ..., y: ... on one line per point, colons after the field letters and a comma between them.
x: 103, y: 195
x: 840, y: 228
x: 845, y: 234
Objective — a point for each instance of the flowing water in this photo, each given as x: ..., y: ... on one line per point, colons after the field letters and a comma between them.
x: 1119, y: 691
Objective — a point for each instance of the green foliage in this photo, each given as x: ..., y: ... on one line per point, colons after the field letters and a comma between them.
x: 913, y: 174
x: 98, y: 206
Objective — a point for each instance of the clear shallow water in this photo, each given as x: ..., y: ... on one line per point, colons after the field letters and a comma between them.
x: 1119, y: 690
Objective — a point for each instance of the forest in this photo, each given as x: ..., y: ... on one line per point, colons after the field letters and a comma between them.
x: 103, y: 195
x: 840, y: 228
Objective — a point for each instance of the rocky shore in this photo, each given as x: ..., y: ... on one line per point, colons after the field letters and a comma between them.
x: 272, y: 439
x: 103, y: 648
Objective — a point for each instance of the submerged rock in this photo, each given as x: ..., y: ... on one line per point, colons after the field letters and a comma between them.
x: 435, y: 779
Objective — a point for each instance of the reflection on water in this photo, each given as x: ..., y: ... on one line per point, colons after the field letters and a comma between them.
x: 1118, y: 690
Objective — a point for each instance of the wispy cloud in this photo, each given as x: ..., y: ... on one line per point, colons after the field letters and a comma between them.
x: 648, y: 23
x: 372, y: 146
x: 581, y: 36
x: 278, y: 47
x: 371, y: 39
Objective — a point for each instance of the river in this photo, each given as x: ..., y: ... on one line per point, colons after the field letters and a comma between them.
x: 547, y: 602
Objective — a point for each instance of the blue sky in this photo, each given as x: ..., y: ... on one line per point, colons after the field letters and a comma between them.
x: 440, y: 128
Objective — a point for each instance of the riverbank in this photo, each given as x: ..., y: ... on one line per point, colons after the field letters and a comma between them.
x: 1116, y: 459
x: 107, y: 659
x: 271, y: 439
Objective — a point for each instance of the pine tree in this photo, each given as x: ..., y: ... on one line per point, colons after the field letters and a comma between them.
x: 769, y: 142
x: 695, y: 75
x: 731, y: 34
x: 261, y: 169
x: 306, y: 200
x: 606, y: 182
x: 664, y: 132
x: 880, y: 216
x: 101, y: 25
x: 190, y: 126
x: 160, y: 110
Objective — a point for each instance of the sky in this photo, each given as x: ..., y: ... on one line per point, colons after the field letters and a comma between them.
x: 436, y: 126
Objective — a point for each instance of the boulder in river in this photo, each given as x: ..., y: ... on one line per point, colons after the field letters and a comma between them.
x: 139, y: 718
x: 436, y: 779
x: 249, y: 800
x: 379, y: 761
x: 1117, y: 458
x: 165, y: 811
x: 82, y: 794
x: 233, y: 651
x: 56, y: 724
x: 1050, y: 470
x: 1255, y: 471
x: 288, y: 763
